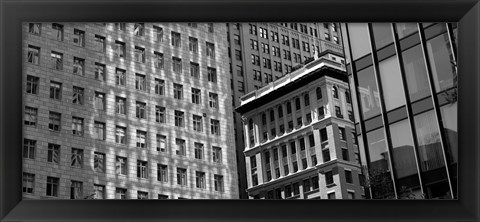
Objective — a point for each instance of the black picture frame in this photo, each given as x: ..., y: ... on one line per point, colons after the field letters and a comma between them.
x: 13, y: 13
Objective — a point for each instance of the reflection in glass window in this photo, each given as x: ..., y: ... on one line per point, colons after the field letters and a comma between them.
x: 379, y: 173
x: 416, y: 74
x: 391, y: 83
x: 382, y: 34
x: 403, y: 157
x: 358, y: 34
x: 369, y: 96
x: 404, y: 29
x: 441, y: 62
x: 449, y: 117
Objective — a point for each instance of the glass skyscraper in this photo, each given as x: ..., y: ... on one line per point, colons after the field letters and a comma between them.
x: 403, y: 79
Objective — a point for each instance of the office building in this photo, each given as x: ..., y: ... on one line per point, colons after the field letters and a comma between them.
x: 263, y: 52
x: 127, y: 111
x: 403, y: 78
x: 300, y: 136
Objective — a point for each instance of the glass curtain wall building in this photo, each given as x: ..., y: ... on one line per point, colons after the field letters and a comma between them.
x: 403, y: 78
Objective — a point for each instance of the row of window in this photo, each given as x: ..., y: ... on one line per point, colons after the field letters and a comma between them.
x: 99, y: 191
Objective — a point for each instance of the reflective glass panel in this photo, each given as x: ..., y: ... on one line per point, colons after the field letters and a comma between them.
x: 449, y: 118
x: 441, y: 62
x: 379, y: 173
x: 404, y: 29
x: 416, y: 73
x: 391, y: 83
x: 369, y: 96
x: 382, y: 34
x: 359, y: 39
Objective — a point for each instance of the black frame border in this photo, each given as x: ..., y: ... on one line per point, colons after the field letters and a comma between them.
x: 13, y: 13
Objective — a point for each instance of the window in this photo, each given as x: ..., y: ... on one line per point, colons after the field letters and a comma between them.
x: 181, y: 149
x: 99, y: 131
x: 200, y: 179
x: 99, y: 71
x: 179, y: 118
x: 329, y: 177
x: 323, y: 135
x: 181, y: 176
x: 120, y: 49
x: 198, y: 151
x: 120, y: 26
x: 217, y: 154
x: 33, y: 55
x: 30, y: 118
x: 299, y: 121
x: 345, y: 155
x: 253, y: 29
x: 289, y: 108
x: 142, y: 171
x: 218, y: 182
x: 54, y: 121
x: 305, y: 46
x: 141, y: 139
x: 177, y: 65
x: 236, y: 39
x: 274, y: 36
x: 120, y: 105
x: 197, y: 123
x: 297, y: 103
x: 157, y: 34
x: 265, y: 48
x: 267, y: 63
x: 280, y: 111
x: 196, y: 95
x: 76, y: 158
x: 99, y: 162
x: 177, y: 91
x: 140, y: 82
x: 53, y: 153
x: 158, y: 60
x: 76, y: 190
x: 120, y: 193
x: 139, y: 29
x: 99, y: 43
x: 120, y: 77
x: 161, y: 143
x: 162, y: 173
x: 327, y: 36
x: 57, y: 61
x: 139, y: 54
x: 77, y: 126
x: 306, y: 185
x: 194, y: 70
x: 176, y: 39
x: 141, y: 195
x: 306, y: 99
x: 213, y: 100
x: 100, y: 101
x: 159, y: 87
x: 215, y: 127
x: 331, y: 196
x: 160, y: 114
x: 341, y: 131
x: 52, y: 186
x: 255, y: 60
x: 212, y: 74
x: 78, y: 95
x: 326, y: 155
x: 28, y: 182
x: 121, y: 165
x: 321, y: 112
x: 79, y: 38
x: 162, y: 197
x: 29, y: 148
x: 348, y: 176
x: 238, y: 55
x: 57, y: 31
x: 254, y: 44
x: 140, y: 111
x: 263, y: 33
x: 99, y: 191
x: 350, y: 115
x: 295, y: 43
x: 120, y: 133
x: 34, y: 28
x: 338, y: 112
x: 308, y: 118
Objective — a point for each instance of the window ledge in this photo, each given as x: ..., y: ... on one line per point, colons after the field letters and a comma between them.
x: 331, y: 185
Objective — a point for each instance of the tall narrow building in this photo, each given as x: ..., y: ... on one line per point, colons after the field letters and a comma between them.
x: 301, y: 140
x: 403, y: 78
x: 263, y: 52
x: 127, y: 111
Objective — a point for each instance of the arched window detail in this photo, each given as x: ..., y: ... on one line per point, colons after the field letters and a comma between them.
x: 306, y: 99
x: 335, y: 92
x: 297, y: 103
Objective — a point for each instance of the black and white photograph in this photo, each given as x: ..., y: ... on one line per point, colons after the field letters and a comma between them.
x: 319, y: 110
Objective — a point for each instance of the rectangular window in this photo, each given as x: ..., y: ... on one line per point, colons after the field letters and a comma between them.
x: 141, y: 139
x: 217, y: 154
x: 345, y: 154
x: 215, y: 127
x: 30, y: 118
x: 194, y: 70
x: 139, y: 29
x: 326, y: 155
x: 140, y: 111
x: 241, y: 86
x: 239, y: 70
x: 139, y: 53
x: 120, y: 133
x: 140, y: 82
x: 196, y: 95
x: 193, y: 44
x: 161, y: 143
x: 29, y: 148
x: 142, y: 170
x: 78, y: 95
x: 99, y: 162
x: 100, y: 101
x: 181, y: 149
x: 57, y: 61
x: 323, y: 135
x: 53, y: 153
x: 121, y: 26
x: 76, y: 190
x: 159, y: 86
x: 198, y: 151
x: 179, y: 118
x: 28, y: 182
x: 210, y: 27
x: 100, y: 71
x: 210, y: 50
x: 32, y: 84
x: 157, y: 34
x: 33, y: 55
x: 329, y: 177
x: 212, y: 74
x: 160, y: 114
x: 99, y: 130
x: 120, y: 105
x: 99, y: 43
x: 52, y: 186
x: 218, y: 182
x: 181, y: 176
x: 120, y: 193
x: 77, y: 126
x: 162, y: 174
x: 158, y: 60
x: 162, y: 197
x: 253, y: 29
x: 34, y: 28
x: 79, y: 38
x: 348, y: 176
x: 141, y: 195
x: 177, y: 65
x: 120, y: 49
x: 200, y: 179
x: 76, y: 158
x: 255, y: 60
x: 120, y: 77
x: 57, y: 31
x: 54, y: 121
x: 176, y: 39
x: 341, y: 131
x: 197, y: 123
x: 338, y: 112
x: 177, y: 91
x: 238, y: 55
x: 99, y: 191
x: 121, y: 165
